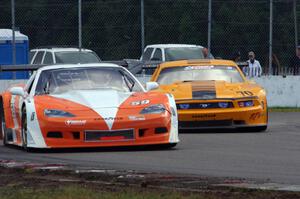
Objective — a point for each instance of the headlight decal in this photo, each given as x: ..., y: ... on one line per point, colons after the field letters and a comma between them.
x: 154, y: 109
x: 57, y: 113
x: 249, y: 103
x: 223, y: 104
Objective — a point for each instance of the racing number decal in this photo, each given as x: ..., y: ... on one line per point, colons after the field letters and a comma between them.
x: 245, y: 93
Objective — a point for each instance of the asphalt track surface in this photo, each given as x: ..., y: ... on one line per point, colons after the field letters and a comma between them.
x: 273, y: 155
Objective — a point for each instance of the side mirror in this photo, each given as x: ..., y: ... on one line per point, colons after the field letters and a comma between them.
x: 151, y: 86
x: 17, y: 91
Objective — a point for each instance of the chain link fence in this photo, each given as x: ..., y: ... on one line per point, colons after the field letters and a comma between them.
x: 112, y: 28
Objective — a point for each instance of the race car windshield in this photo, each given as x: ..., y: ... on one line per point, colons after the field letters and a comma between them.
x: 64, y: 80
x: 76, y: 57
x: 199, y: 73
x: 183, y: 53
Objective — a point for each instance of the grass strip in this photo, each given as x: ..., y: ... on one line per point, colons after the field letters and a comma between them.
x: 284, y: 109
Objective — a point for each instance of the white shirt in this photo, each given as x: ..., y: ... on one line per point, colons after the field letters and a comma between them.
x: 253, y: 69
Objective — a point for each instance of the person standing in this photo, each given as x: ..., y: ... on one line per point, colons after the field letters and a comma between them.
x: 295, y: 62
x: 206, y: 55
x: 254, y: 67
x: 236, y: 57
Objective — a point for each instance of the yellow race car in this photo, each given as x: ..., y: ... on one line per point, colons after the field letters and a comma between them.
x: 213, y: 94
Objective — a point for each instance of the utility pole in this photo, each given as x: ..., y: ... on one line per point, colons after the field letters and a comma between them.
x: 209, y: 27
x: 142, y: 26
x: 270, y: 37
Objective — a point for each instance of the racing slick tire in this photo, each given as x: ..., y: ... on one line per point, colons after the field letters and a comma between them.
x: 3, y: 126
x: 24, y: 130
x: 254, y: 129
x: 261, y: 128
x: 168, y: 146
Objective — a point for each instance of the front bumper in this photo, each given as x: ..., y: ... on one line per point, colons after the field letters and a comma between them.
x: 222, y: 118
x: 148, y: 130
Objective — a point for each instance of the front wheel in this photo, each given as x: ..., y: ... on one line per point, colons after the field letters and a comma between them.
x: 167, y: 146
x: 255, y: 129
x: 3, y: 127
x: 24, y: 129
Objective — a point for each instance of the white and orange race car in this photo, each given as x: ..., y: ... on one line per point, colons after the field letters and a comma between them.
x: 88, y: 105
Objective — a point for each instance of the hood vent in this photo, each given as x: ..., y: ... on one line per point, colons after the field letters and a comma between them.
x: 204, y: 90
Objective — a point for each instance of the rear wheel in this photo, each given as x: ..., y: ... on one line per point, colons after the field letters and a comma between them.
x: 24, y: 129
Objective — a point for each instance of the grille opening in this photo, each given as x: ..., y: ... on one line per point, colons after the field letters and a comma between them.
x: 161, y: 130
x: 54, y: 134
x: 239, y: 122
x: 203, y: 124
x: 142, y: 132
x: 113, y: 135
x: 208, y: 105
x: 76, y: 135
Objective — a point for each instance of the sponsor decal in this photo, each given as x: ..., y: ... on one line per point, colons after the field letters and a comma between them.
x: 110, y: 118
x: 255, y: 116
x: 198, y: 67
x: 204, y: 116
x: 136, y: 118
x: 75, y: 122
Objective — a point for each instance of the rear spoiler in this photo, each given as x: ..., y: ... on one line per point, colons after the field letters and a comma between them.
x: 138, y: 67
x: 33, y: 67
x: 22, y: 67
x: 148, y: 67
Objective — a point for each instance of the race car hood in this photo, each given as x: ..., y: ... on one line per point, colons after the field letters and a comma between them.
x: 106, y: 99
x: 95, y: 99
x: 105, y: 103
x: 205, y: 90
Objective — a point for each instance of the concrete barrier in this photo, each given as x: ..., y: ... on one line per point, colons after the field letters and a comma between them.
x: 281, y: 91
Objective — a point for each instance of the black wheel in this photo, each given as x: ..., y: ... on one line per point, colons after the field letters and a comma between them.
x: 3, y: 126
x: 254, y: 129
x: 261, y: 128
x: 24, y: 129
x: 168, y: 146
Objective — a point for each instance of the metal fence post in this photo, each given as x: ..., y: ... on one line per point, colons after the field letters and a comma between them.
x: 270, y: 38
x: 295, y: 23
x: 13, y: 27
x: 79, y: 26
x: 209, y: 27
x: 142, y: 26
